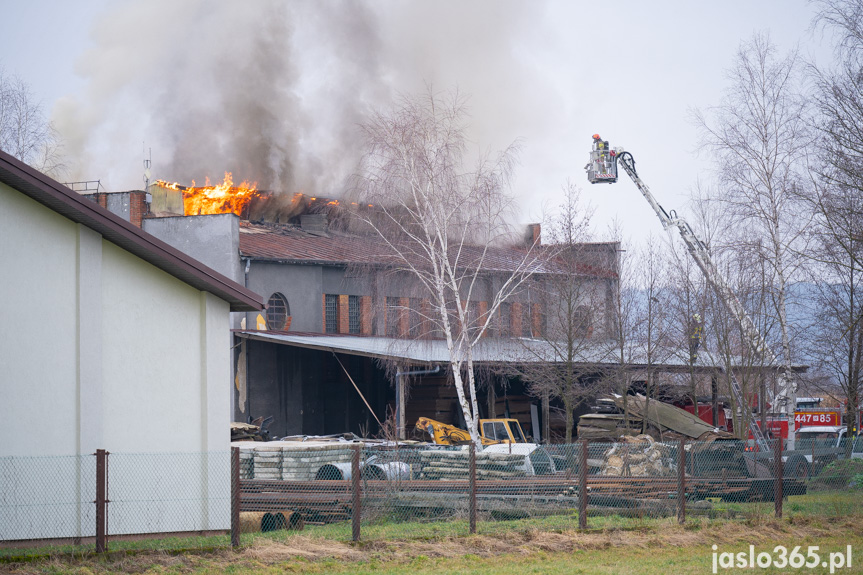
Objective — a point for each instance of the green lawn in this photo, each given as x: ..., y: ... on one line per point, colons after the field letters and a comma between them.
x: 549, y: 544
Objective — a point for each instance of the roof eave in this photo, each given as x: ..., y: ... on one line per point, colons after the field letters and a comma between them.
x: 118, y: 231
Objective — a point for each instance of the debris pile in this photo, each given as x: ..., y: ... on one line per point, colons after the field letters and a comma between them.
x: 638, y: 456
x: 664, y: 422
x: 451, y: 465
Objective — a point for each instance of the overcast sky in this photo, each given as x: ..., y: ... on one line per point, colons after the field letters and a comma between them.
x: 273, y: 90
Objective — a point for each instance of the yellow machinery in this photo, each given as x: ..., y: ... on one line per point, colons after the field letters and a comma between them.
x: 492, y: 431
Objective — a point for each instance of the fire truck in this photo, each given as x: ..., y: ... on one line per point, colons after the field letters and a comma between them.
x: 603, y: 169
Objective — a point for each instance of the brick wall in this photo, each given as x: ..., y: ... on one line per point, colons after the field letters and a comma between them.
x: 138, y: 207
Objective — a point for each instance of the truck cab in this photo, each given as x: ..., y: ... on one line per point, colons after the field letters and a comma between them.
x: 501, y: 430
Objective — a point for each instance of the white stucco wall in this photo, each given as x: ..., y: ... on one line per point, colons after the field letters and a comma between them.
x: 100, y: 349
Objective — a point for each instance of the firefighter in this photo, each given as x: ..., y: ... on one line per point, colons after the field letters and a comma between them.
x: 602, y: 158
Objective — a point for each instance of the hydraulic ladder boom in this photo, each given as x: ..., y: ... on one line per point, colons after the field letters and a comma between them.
x: 784, y: 397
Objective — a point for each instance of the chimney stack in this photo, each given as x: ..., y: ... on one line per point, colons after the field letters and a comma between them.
x: 533, y: 235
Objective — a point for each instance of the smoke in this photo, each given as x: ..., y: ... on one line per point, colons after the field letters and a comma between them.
x: 274, y: 91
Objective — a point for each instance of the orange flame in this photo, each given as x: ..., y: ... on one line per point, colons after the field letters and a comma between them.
x: 222, y: 198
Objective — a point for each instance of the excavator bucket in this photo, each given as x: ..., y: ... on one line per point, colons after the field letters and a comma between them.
x: 602, y: 168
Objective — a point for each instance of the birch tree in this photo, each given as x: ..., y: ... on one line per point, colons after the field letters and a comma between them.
x: 444, y: 221
x: 24, y: 131
x: 837, y: 202
x: 758, y: 137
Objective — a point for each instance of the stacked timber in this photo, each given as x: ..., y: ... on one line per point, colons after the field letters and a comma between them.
x: 638, y: 456
x: 453, y: 465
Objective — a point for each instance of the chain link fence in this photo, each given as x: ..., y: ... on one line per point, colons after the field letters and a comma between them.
x: 75, y: 504
x: 368, y: 490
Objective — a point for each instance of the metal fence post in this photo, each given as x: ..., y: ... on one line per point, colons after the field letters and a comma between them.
x: 356, y: 510
x: 472, y: 487
x: 101, y: 500
x: 681, y: 483
x: 777, y: 474
x: 582, y: 485
x: 235, y: 497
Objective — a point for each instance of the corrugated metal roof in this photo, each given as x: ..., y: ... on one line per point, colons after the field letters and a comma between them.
x: 491, y: 350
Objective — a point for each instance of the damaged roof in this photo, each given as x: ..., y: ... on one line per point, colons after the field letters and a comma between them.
x: 116, y: 230
x: 291, y: 244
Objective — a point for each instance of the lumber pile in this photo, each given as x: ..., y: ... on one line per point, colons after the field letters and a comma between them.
x: 638, y: 456
x: 452, y: 465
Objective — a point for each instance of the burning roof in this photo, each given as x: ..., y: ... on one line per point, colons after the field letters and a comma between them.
x: 245, y: 200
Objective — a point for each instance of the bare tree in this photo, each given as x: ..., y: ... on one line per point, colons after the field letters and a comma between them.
x: 687, y: 303
x: 624, y: 323
x: 759, y: 136
x: 572, y: 307
x: 24, y: 131
x: 443, y: 223
x: 652, y: 313
x: 837, y: 202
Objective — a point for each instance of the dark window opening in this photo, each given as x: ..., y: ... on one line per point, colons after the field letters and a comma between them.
x: 393, y: 316
x: 583, y: 321
x: 354, y: 324
x: 331, y: 317
x: 505, y: 320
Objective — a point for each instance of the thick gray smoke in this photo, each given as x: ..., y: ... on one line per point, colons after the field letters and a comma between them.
x: 273, y: 91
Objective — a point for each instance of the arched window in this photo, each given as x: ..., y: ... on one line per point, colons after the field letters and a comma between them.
x: 583, y: 321
x: 278, y: 312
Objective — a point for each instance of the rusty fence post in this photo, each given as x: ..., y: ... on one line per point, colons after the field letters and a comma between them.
x: 777, y: 477
x: 582, y: 485
x: 681, y: 483
x: 235, y: 497
x: 356, y: 505
x: 472, y: 487
x: 101, y: 500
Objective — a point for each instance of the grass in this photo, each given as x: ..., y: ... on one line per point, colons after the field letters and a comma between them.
x: 549, y: 544
x: 659, y: 549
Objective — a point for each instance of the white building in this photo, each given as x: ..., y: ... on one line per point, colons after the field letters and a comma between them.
x: 111, y: 339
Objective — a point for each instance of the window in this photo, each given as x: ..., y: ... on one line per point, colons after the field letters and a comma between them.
x: 583, y: 321
x: 505, y: 320
x: 331, y: 313
x: 495, y: 430
x: 416, y: 318
x: 354, y: 324
x: 393, y: 313
x: 526, y: 321
x: 278, y: 312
